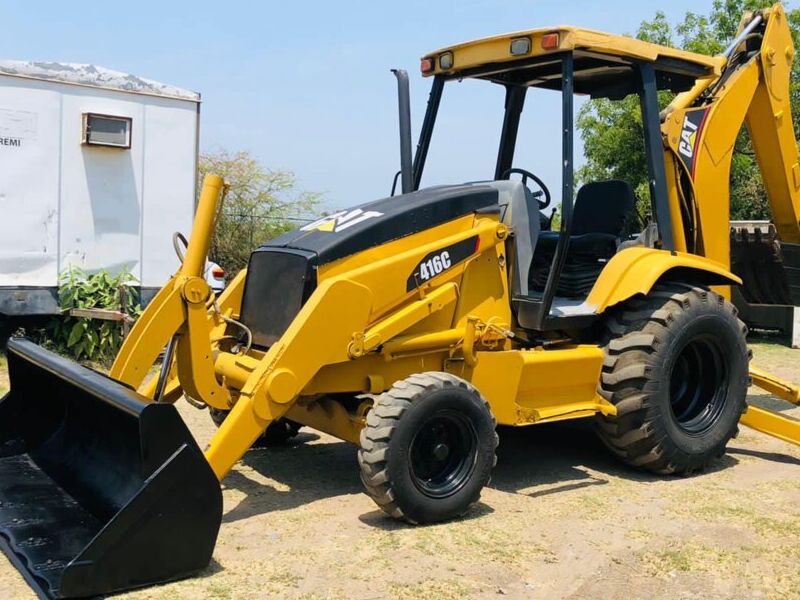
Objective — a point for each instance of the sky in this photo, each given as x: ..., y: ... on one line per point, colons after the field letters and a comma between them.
x: 306, y: 86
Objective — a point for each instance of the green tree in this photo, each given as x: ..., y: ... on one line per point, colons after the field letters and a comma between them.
x: 612, y: 131
x: 260, y: 204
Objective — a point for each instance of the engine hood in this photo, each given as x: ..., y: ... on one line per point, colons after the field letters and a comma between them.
x: 362, y: 227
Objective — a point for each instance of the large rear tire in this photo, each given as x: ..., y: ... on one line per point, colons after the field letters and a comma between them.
x: 676, y: 368
x: 428, y: 448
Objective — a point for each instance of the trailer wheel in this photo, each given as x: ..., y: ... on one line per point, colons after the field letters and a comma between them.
x: 428, y: 448
x: 277, y: 434
x: 676, y: 368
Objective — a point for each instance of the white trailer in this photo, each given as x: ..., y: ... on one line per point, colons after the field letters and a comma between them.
x: 97, y: 170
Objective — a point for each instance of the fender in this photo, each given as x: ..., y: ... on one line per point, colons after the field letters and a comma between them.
x: 636, y: 270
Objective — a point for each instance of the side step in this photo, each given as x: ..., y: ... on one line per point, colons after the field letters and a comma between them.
x: 100, y: 491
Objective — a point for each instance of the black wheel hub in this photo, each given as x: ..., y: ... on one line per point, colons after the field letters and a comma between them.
x: 698, y: 385
x: 443, y: 454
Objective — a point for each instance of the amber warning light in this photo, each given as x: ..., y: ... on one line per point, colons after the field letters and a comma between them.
x: 550, y: 41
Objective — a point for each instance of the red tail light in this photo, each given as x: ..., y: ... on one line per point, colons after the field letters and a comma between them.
x: 218, y: 272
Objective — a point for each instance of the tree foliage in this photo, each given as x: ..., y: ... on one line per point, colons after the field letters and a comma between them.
x: 260, y: 204
x: 612, y: 130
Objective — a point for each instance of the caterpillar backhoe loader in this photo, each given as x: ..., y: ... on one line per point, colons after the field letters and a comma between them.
x: 413, y: 325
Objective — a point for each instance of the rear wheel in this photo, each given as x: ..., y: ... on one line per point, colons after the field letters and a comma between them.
x: 428, y: 448
x: 277, y: 434
x: 676, y: 368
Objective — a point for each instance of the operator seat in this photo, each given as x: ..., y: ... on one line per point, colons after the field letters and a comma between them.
x: 601, y: 212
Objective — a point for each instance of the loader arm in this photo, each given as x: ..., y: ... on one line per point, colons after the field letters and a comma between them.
x: 351, y: 311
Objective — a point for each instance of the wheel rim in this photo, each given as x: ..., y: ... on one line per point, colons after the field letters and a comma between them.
x: 443, y: 454
x: 698, y: 385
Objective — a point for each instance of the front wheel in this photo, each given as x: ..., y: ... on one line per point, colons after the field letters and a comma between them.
x: 677, y: 370
x: 428, y: 448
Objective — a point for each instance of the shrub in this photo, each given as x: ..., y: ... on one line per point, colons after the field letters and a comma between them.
x: 93, y: 340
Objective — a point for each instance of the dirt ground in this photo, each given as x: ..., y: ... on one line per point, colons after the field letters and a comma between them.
x: 561, y: 519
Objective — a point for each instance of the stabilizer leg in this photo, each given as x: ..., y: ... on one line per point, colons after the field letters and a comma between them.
x: 770, y: 422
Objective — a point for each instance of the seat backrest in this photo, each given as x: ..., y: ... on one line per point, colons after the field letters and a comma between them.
x: 603, y: 207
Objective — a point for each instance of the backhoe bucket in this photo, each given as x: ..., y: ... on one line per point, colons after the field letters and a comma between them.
x: 100, y: 491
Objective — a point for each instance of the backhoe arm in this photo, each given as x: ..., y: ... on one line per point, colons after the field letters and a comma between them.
x: 701, y: 128
x: 769, y: 121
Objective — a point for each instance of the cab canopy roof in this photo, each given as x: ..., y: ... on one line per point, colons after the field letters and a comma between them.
x: 603, y: 63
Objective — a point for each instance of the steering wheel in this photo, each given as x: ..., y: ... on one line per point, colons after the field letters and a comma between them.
x: 542, y: 187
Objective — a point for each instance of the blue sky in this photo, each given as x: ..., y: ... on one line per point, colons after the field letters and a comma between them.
x: 305, y: 85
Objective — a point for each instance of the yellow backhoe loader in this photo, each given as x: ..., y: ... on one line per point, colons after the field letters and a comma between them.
x: 413, y: 325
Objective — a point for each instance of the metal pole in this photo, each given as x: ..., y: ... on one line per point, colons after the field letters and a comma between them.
x: 166, y: 365
x: 657, y: 177
x: 427, y: 129
x: 515, y: 101
x: 567, y: 187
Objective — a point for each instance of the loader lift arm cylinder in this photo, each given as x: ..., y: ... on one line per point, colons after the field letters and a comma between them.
x: 203, y: 228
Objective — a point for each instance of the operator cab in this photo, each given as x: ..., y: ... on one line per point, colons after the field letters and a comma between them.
x: 553, y: 272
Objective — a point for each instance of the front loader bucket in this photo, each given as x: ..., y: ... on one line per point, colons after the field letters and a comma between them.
x: 100, y: 491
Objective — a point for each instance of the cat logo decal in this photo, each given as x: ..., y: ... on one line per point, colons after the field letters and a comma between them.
x: 341, y: 220
x: 689, y: 145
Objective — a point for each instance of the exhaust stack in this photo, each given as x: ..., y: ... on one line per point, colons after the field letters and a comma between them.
x: 404, y: 107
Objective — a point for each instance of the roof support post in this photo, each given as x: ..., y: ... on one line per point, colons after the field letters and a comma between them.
x: 427, y: 130
x: 654, y: 150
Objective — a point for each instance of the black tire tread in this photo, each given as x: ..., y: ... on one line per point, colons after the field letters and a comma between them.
x: 381, y: 422
x: 633, y: 336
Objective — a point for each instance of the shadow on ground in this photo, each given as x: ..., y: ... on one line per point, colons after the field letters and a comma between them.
x: 767, y: 456
x: 536, y: 461
x: 380, y: 520
x: 310, y: 472
x: 549, y: 459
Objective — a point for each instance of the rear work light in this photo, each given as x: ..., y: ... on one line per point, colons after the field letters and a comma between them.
x: 520, y: 46
x: 446, y: 61
x: 550, y: 41
x: 426, y: 65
